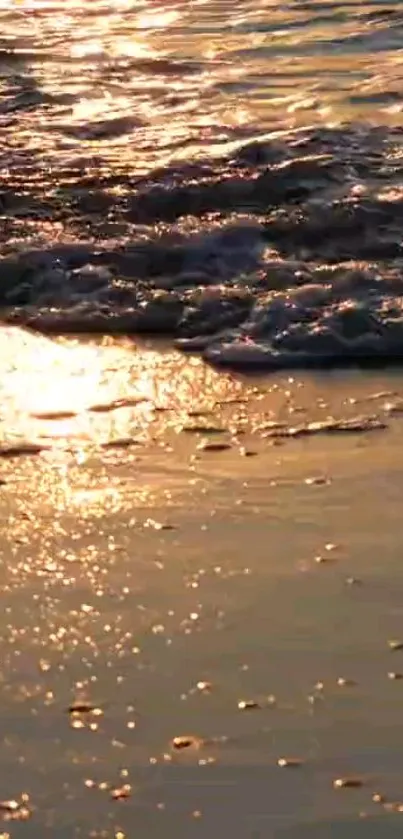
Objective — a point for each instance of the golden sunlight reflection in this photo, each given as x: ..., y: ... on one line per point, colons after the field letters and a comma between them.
x: 102, y: 416
x: 97, y: 392
x: 143, y: 82
x: 157, y: 18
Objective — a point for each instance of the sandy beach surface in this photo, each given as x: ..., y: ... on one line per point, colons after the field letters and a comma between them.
x: 201, y: 575
x: 187, y: 554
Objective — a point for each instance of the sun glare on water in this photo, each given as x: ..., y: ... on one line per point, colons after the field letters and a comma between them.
x: 97, y: 391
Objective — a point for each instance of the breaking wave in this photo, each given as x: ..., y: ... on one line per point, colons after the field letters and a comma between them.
x: 287, y: 252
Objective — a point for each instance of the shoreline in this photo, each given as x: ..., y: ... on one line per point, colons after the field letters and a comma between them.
x: 165, y: 584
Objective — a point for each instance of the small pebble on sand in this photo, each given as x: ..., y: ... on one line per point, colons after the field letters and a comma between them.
x: 13, y: 810
x: 9, y: 806
x: 395, y: 645
x: 204, y: 687
x: 289, y: 762
x: 81, y: 708
x: 158, y: 525
x: 248, y: 705
x: 206, y: 446
x: 22, y: 449
x: 118, y: 443
x: 202, y: 429
x: 347, y: 783
x: 54, y: 415
x: 353, y: 581
x: 393, y: 806
x: 317, y: 480
x: 121, y: 793
x: 186, y: 742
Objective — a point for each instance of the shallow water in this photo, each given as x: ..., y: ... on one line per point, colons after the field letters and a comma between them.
x: 140, y: 84
x: 157, y: 583
x: 228, y: 174
x: 176, y: 540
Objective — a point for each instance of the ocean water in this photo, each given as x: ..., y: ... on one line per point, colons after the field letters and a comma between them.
x: 227, y: 174
x: 186, y: 552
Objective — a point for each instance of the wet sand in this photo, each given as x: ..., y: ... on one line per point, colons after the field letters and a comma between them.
x: 152, y: 583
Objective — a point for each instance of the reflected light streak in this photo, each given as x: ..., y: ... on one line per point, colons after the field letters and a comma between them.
x: 98, y: 391
x: 84, y: 402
